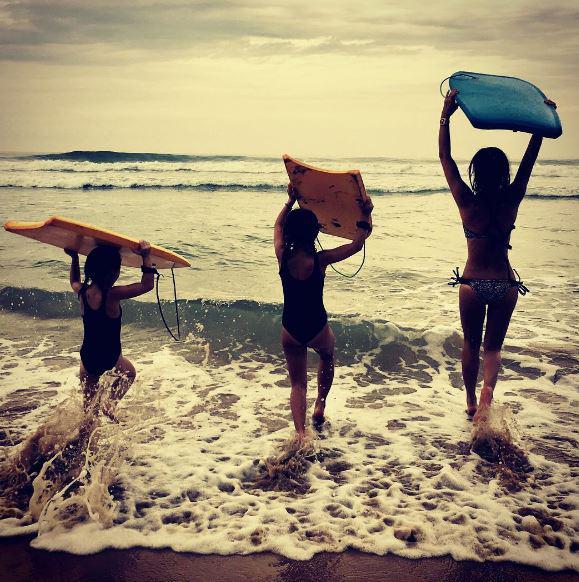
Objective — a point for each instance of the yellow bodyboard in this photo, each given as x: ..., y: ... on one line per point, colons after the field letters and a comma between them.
x: 83, y: 238
x: 335, y: 198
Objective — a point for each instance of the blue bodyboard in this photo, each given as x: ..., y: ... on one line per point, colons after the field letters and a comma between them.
x: 495, y: 102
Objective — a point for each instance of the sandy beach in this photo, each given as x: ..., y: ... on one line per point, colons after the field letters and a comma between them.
x: 20, y: 562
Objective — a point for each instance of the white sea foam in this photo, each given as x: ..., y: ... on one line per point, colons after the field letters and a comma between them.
x: 392, y: 470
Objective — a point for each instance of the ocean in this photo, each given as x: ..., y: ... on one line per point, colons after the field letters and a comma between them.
x: 194, y: 462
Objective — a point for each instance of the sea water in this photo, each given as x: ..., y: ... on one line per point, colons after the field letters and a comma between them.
x: 202, y: 458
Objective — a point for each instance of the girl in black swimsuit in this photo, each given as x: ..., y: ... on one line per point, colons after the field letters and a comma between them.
x: 101, y: 316
x: 488, y: 287
x: 305, y: 323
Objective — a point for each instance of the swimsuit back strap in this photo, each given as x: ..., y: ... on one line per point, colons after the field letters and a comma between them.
x: 284, y: 266
x: 82, y: 294
x: 317, y: 261
x: 103, y: 305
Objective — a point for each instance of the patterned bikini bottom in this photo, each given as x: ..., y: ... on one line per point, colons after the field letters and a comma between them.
x: 490, y: 290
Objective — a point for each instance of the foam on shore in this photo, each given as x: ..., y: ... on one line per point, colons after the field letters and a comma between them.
x: 198, y: 462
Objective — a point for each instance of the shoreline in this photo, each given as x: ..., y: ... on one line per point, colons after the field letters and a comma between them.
x: 21, y: 562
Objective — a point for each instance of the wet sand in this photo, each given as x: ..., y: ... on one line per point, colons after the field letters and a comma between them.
x: 20, y: 562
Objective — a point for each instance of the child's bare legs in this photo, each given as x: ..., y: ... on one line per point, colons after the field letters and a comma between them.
x: 90, y: 387
x: 324, y: 345
x: 296, y: 357
x: 126, y: 375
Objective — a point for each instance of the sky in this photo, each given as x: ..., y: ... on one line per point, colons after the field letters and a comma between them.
x: 265, y: 77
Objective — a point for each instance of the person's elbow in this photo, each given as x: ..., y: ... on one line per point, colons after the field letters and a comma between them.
x: 148, y: 285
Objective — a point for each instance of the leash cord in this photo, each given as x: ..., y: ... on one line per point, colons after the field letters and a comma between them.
x: 177, y: 337
x: 346, y: 275
x: 454, y: 77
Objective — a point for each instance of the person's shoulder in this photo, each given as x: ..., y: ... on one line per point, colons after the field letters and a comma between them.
x: 513, y: 196
x: 464, y: 197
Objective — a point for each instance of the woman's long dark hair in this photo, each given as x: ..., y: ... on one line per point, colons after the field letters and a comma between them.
x: 101, y: 267
x: 490, y: 176
x: 300, y: 230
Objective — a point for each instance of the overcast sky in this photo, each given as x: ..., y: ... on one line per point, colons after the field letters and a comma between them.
x: 307, y: 77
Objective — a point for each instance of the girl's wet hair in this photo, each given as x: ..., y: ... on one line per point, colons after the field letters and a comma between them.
x: 102, y: 267
x: 301, y: 229
x: 490, y: 175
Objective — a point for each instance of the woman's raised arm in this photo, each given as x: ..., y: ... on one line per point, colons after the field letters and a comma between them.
x: 460, y: 191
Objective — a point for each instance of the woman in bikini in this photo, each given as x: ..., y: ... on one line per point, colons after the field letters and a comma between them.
x: 305, y: 322
x: 489, y: 285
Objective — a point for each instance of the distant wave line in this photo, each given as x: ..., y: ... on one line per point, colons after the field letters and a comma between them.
x: 100, y: 157
x: 107, y: 156
x: 212, y: 187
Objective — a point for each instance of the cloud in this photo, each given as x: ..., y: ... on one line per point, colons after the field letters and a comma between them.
x: 77, y: 31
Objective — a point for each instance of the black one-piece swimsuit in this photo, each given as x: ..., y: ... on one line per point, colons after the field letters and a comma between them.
x: 304, y: 315
x: 101, y: 346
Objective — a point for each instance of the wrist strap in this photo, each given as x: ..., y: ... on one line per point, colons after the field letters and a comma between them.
x: 149, y: 270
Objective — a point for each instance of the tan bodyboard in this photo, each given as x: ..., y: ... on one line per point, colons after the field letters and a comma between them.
x: 83, y: 238
x: 334, y: 197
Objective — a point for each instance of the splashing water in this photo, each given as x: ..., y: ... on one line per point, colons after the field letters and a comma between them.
x: 87, y: 496
x: 62, y: 474
x: 287, y: 471
x: 496, y: 438
x: 43, y: 457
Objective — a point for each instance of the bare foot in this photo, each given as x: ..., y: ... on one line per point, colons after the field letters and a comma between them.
x: 300, y: 437
x: 318, y: 416
x: 485, y: 400
x: 481, y: 415
x: 486, y: 396
x: 471, y: 405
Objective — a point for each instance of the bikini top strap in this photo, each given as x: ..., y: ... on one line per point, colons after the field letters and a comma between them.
x: 468, y: 233
x: 496, y: 235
